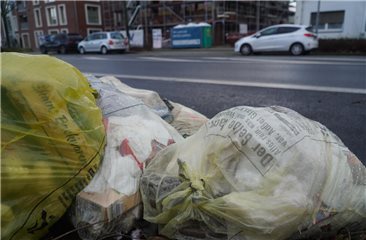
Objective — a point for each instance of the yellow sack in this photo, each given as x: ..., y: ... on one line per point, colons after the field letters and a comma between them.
x: 52, y: 139
x: 255, y: 174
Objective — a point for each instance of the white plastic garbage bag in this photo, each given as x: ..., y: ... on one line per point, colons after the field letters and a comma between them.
x: 135, y: 134
x: 148, y: 97
x: 186, y: 120
x: 255, y: 173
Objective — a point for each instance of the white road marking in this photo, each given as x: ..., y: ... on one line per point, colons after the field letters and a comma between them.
x: 238, y: 83
x: 229, y: 60
x: 345, y: 59
x: 166, y: 59
x: 295, y: 61
x: 95, y: 58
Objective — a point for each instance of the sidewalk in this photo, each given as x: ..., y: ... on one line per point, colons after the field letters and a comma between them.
x: 219, y: 50
x: 229, y: 51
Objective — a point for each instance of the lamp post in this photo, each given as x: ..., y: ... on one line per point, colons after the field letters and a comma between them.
x: 223, y: 17
x: 317, y: 19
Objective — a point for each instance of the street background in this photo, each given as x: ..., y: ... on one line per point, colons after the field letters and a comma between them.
x: 328, y: 89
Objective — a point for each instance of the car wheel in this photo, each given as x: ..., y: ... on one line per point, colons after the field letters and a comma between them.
x: 246, y: 50
x: 62, y: 50
x: 297, y: 49
x: 43, y: 50
x: 81, y: 50
x: 104, y: 50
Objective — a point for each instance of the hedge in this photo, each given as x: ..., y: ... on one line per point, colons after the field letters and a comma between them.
x: 342, y: 45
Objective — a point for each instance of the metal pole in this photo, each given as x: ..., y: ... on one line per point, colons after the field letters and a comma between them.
x: 317, y: 18
x: 145, y: 25
x: 126, y: 24
x: 223, y: 31
x: 237, y: 20
x: 223, y: 25
x: 206, y: 11
x: 164, y: 18
x: 213, y: 8
x: 184, y: 12
x: 257, y: 16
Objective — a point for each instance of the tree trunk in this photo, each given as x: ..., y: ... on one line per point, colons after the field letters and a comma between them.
x: 8, y: 43
x: 125, y: 13
x: 5, y: 9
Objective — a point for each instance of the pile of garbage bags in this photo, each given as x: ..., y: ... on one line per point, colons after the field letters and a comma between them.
x: 113, y: 155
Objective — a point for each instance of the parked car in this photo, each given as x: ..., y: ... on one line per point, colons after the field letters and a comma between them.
x: 297, y: 39
x: 62, y: 43
x: 103, y: 42
x: 232, y: 37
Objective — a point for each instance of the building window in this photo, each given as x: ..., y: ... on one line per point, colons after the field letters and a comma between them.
x: 92, y: 13
x: 117, y: 18
x: 38, y: 38
x: 21, y: 6
x: 328, y: 20
x: 51, y: 16
x: 52, y: 31
x: 64, y: 30
x: 25, y: 40
x: 35, y: 2
x: 37, y: 17
x: 62, y: 14
x: 23, y: 22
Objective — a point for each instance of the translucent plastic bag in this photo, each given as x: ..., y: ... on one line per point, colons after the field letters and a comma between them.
x: 186, y: 120
x: 135, y: 134
x: 52, y: 139
x: 148, y: 97
x: 255, y: 173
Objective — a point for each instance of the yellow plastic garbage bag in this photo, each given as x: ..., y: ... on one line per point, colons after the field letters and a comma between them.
x: 52, y: 139
x: 255, y: 173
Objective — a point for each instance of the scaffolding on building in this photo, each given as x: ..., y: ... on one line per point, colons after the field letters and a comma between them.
x: 225, y: 17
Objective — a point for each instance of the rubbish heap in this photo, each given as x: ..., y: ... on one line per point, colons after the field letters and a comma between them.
x: 247, y: 173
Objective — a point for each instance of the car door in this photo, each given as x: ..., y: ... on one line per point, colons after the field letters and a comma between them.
x: 264, y: 40
x: 51, y: 43
x: 284, y: 38
x: 88, y: 43
x: 97, y: 41
x: 92, y: 43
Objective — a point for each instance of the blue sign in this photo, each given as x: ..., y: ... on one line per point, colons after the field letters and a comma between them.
x: 189, y: 37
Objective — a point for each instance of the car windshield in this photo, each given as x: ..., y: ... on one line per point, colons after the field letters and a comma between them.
x: 116, y: 35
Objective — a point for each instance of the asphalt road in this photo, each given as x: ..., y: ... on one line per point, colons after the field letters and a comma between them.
x: 328, y: 89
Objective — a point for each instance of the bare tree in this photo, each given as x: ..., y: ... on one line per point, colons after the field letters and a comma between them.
x: 6, y: 7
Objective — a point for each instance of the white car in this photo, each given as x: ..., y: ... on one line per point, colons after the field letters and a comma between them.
x: 297, y: 39
x: 103, y: 42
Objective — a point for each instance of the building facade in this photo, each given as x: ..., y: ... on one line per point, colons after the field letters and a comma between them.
x: 34, y: 19
x: 224, y: 16
x: 337, y: 19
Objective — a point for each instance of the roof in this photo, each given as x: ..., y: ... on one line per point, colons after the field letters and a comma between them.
x: 288, y: 25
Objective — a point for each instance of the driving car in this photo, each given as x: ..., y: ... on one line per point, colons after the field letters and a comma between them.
x: 296, y: 39
x: 103, y: 42
x: 61, y: 43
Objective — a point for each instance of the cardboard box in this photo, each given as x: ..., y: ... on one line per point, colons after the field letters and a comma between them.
x: 108, y: 204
